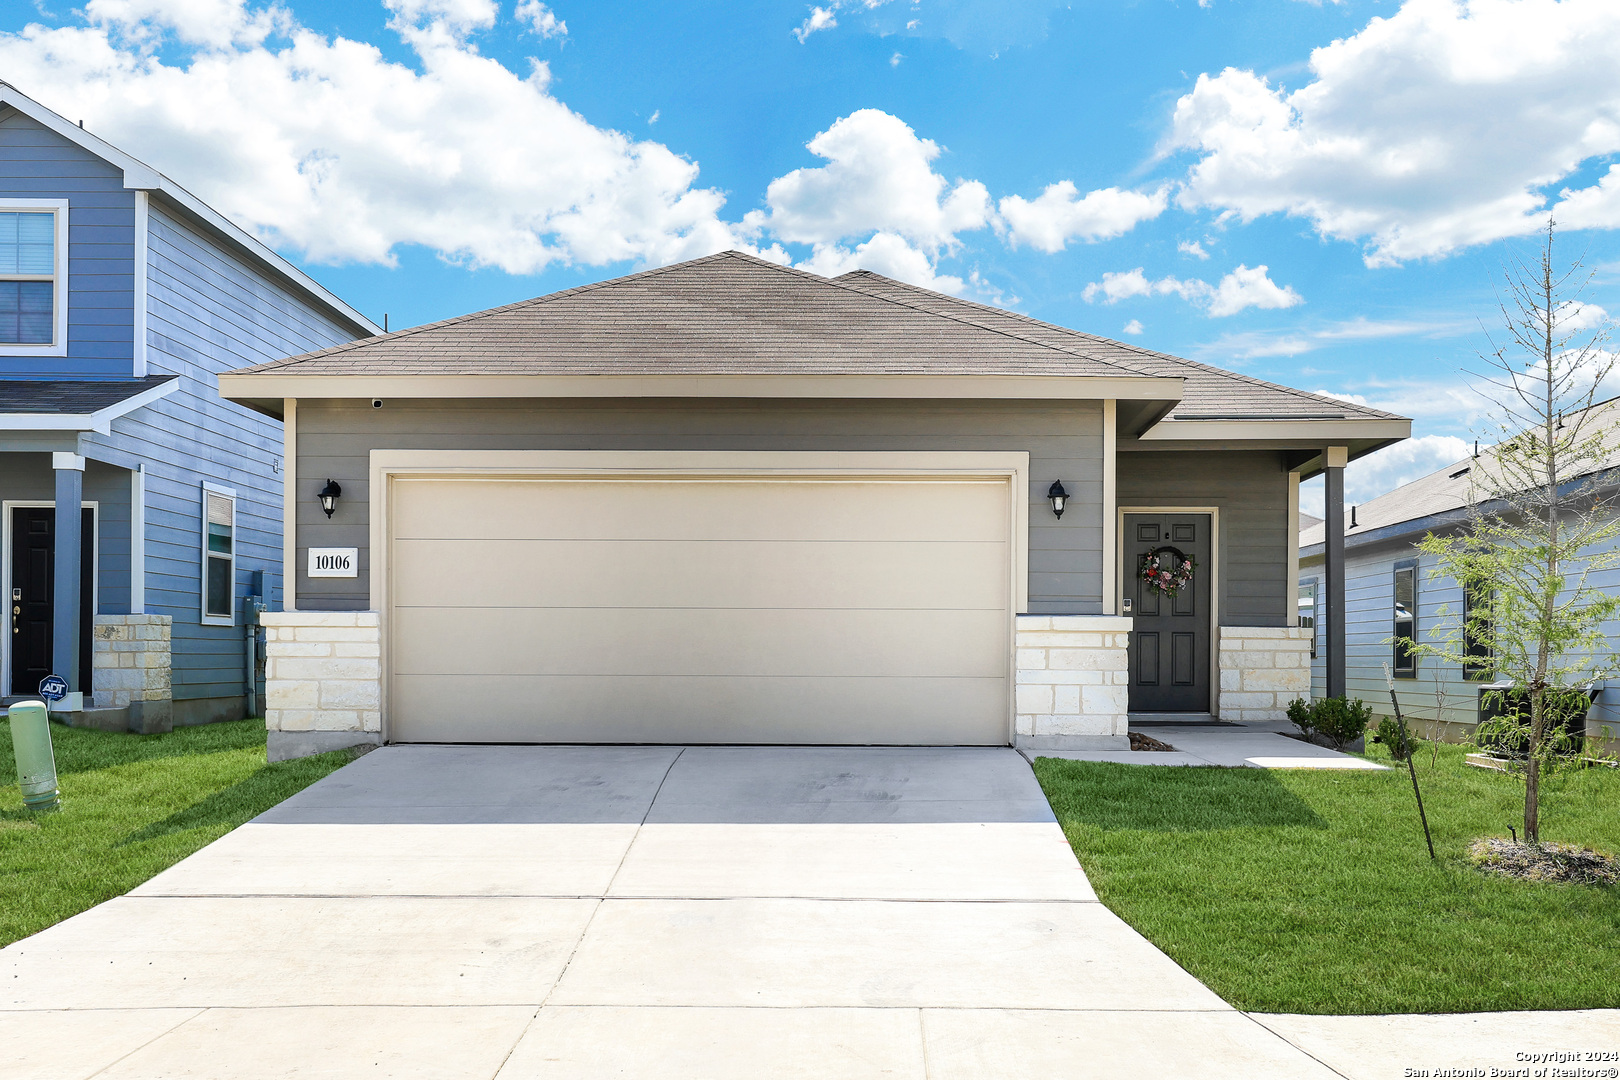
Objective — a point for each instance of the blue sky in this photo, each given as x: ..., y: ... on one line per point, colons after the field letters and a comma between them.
x: 1380, y: 161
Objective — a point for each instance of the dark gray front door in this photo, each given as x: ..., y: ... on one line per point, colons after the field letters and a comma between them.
x: 1170, y: 638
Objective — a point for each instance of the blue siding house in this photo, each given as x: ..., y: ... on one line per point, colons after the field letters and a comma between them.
x: 122, y: 298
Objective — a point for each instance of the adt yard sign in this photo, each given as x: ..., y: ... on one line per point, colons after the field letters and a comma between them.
x: 334, y: 562
x: 53, y: 688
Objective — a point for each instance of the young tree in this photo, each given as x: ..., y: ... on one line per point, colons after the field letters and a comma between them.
x: 1541, y: 516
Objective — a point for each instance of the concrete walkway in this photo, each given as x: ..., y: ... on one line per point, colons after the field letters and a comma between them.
x: 1255, y: 746
x: 647, y: 912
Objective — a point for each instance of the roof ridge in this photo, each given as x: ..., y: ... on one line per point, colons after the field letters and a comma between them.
x: 533, y: 301
x: 839, y: 281
x: 1250, y: 379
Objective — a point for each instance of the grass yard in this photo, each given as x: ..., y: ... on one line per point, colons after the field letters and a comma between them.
x: 132, y: 805
x: 1311, y: 891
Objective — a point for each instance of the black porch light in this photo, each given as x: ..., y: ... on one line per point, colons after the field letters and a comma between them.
x: 1058, y: 496
x: 329, y: 496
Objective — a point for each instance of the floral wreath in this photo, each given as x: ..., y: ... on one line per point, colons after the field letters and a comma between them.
x: 1168, y: 582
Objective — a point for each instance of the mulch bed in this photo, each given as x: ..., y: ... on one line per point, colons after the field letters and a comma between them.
x: 1544, y: 862
x: 1147, y: 742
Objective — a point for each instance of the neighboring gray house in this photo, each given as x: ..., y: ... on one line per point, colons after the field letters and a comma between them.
x: 726, y: 501
x: 1389, y: 592
x: 122, y: 297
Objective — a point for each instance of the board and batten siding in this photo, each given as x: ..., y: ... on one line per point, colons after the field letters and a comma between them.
x: 1250, y: 487
x: 37, y: 163
x: 336, y: 437
x: 209, y: 310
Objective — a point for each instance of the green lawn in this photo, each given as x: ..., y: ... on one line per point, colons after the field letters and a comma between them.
x: 132, y: 806
x: 1312, y: 892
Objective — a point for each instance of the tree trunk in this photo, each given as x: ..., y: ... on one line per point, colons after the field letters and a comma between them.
x: 1532, y: 774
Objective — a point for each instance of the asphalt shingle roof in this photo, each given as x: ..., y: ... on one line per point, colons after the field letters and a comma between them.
x: 74, y: 397
x: 734, y: 314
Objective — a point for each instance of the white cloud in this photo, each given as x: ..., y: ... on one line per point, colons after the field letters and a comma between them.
x: 326, y: 147
x: 1242, y: 288
x: 1574, y: 316
x: 820, y: 18
x: 894, y: 61
x: 1249, y: 345
x: 885, y: 253
x: 1430, y: 130
x: 1133, y: 327
x: 879, y: 178
x: 1385, y: 470
x: 1193, y: 248
x: 1246, y: 288
x: 1059, y: 214
x: 543, y: 22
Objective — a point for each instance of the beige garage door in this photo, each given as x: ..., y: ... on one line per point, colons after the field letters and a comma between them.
x: 699, y: 610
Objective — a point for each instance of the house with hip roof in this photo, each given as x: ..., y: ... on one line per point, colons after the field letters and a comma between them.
x: 141, y: 515
x: 1392, y: 591
x: 727, y: 501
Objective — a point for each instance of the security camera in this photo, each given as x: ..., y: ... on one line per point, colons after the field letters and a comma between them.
x: 376, y: 403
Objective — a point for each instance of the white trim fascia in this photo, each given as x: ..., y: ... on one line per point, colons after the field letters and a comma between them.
x: 271, y: 386
x: 139, y: 176
x: 1110, y: 539
x: 1011, y: 466
x: 1214, y: 513
x: 5, y: 571
x: 202, y: 569
x: 1318, y: 431
x: 289, y: 505
x: 99, y: 421
x: 59, y: 278
x: 143, y: 223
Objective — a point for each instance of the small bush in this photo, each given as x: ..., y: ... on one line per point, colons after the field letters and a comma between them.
x: 1389, y: 733
x: 1300, y: 715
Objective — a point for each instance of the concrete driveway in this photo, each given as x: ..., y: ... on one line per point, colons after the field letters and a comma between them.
x: 638, y: 912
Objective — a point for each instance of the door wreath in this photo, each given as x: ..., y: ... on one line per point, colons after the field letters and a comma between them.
x: 1167, y: 579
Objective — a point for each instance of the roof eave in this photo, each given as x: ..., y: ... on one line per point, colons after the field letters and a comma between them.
x: 258, y: 388
x: 99, y: 421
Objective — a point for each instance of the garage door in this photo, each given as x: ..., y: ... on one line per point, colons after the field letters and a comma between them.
x: 702, y: 610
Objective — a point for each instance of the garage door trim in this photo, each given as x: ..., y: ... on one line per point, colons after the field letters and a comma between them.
x: 1010, y: 467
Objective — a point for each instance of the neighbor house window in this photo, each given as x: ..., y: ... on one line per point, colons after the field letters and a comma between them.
x: 32, y: 268
x: 1307, y: 612
x: 1477, y: 662
x: 219, y: 555
x: 1405, y: 617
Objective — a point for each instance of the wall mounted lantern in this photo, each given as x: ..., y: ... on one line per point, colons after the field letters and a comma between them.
x: 1058, y: 496
x: 329, y: 496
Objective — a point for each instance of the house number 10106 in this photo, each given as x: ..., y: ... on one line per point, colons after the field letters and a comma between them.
x: 334, y: 562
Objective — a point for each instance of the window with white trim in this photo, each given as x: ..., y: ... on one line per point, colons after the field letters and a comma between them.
x: 219, y: 556
x: 33, y: 234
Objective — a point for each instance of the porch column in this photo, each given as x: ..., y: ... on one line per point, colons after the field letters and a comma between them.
x: 65, y: 597
x: 1333, y: 461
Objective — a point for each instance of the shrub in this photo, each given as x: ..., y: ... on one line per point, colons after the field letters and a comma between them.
x: 1300, y: 715
x: 1389, y: 733
x: 1340, y: 720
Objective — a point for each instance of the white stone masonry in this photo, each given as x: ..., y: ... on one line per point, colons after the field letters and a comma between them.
x: 1071, y: 684
x: 133, y: 660
x: 322, y: 680
x: 1263, y: 668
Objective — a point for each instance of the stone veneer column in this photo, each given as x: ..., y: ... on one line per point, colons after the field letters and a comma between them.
x: 1072, y: 682
x: 322, y: 681
x: 132, y: 668
x: 1263, y: 668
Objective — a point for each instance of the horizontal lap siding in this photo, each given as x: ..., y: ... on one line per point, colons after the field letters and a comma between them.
x: 37, y: 163
x: 209, y: 311
x: 1251, y: 490
x: 335, y: 440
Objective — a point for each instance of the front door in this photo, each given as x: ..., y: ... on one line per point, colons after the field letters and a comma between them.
x: 33, y: 584
x: 1169, y: 653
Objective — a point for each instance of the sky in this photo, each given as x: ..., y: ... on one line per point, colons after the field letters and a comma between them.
x: 1320, y: 194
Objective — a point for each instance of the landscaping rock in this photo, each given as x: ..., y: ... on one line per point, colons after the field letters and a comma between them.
x: 1544, y: 862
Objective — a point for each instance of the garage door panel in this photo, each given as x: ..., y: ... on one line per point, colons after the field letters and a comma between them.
x: 653, y: 509
x: 698, y: 573
x: 511, y: 708
x: 631, y: 641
